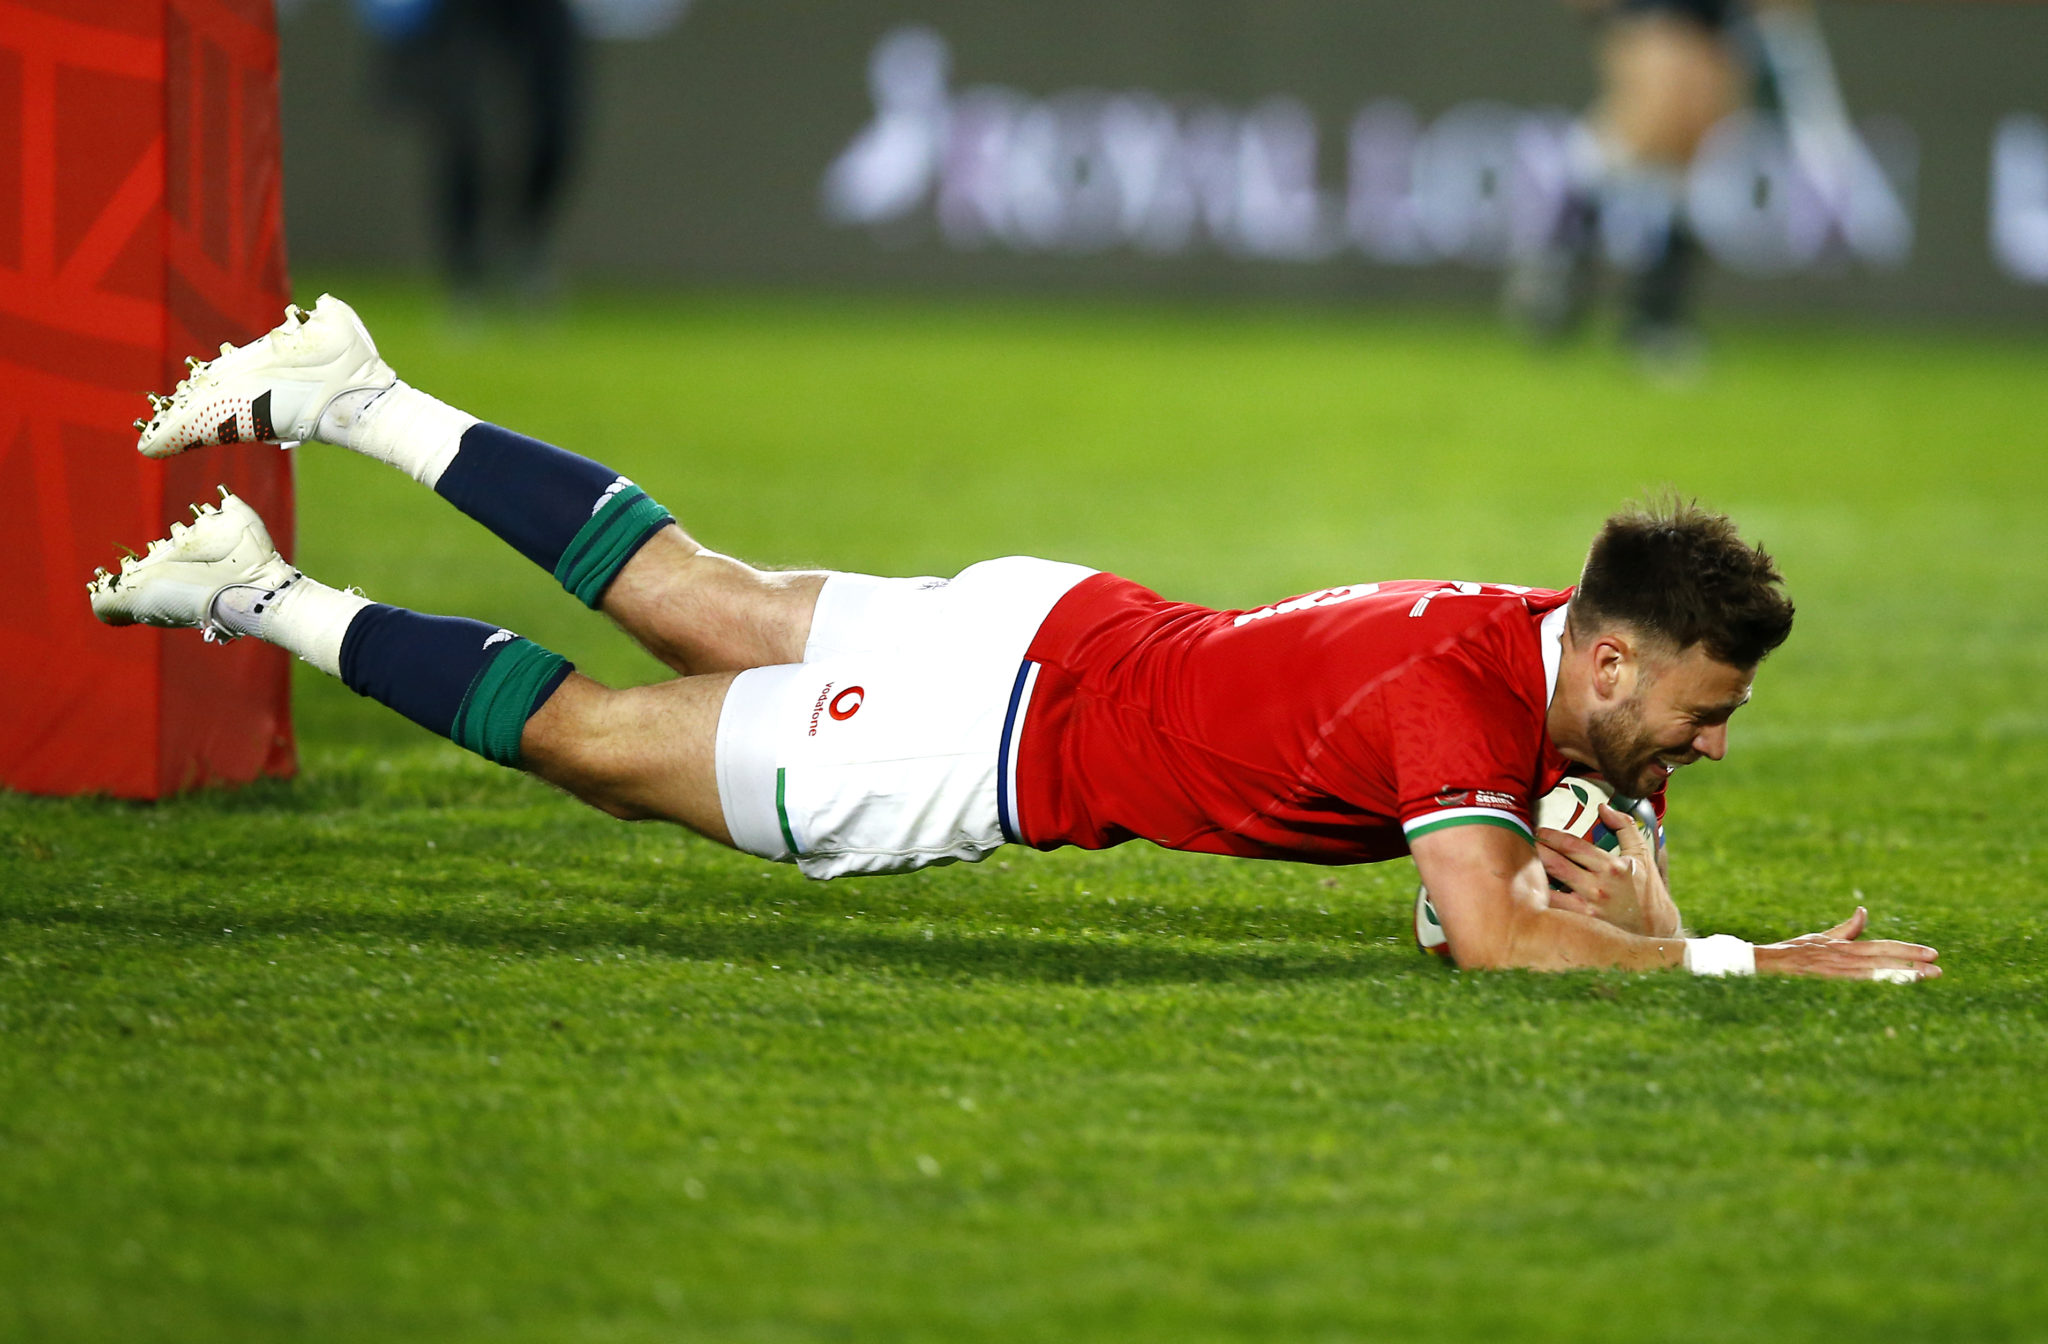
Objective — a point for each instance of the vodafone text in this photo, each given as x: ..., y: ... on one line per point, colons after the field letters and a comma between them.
x: 842, y: 706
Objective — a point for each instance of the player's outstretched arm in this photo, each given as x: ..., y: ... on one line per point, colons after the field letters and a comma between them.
x: 1490, y: 891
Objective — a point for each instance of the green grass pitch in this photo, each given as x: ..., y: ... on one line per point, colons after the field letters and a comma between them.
x: 412, y: 1048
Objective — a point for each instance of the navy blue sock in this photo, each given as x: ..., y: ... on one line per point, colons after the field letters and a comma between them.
x: 472, y: 683
x: 578, y: 519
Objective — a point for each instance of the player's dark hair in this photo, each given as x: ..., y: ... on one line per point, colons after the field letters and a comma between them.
x: 1678, y: 572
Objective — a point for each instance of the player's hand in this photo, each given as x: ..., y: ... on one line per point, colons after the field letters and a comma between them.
x: 1621, y: 886
x: 1841, y: 954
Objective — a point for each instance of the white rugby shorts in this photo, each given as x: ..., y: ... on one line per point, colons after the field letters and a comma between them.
x: 892, y: 745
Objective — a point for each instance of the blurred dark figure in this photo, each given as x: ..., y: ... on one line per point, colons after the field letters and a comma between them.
x: 498, y: 85
x: 1669, y: 72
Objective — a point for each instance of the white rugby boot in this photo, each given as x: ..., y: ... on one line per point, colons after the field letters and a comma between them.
x: 271, y: 390
x: 177, y: 581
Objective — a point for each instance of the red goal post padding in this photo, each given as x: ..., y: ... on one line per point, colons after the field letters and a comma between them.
x: 141, y: 220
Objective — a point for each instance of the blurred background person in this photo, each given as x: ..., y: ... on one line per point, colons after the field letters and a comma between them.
x: 1669, y: 72
x: 498, y: 87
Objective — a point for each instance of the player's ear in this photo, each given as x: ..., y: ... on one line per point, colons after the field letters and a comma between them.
x: 1616, y: 666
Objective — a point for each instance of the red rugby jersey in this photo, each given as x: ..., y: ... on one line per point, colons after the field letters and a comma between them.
x: 1329, y: 728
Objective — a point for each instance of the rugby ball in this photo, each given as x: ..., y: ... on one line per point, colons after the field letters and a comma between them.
x: 1572, y: 807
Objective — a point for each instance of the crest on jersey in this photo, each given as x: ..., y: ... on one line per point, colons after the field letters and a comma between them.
x: 1505, y: 802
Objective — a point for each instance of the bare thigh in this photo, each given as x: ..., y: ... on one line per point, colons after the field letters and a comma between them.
x: 699, y: 611
x: 644, y: 753
x: 1667, y: 81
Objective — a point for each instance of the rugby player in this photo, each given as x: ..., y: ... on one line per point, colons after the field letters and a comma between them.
x: 1670, y: 71
x: 853, y: 724
x: 1668, y: 74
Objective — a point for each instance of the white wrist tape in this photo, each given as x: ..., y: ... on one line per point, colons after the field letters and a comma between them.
x: 1721, y: 954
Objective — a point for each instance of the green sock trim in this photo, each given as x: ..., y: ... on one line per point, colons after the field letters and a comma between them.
x: 602, y: 546
x: 503, y: 696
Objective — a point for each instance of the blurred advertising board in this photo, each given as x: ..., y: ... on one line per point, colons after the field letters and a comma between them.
x: 1293, y: 149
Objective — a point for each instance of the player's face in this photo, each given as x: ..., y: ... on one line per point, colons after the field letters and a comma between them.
x: 1677, y: 714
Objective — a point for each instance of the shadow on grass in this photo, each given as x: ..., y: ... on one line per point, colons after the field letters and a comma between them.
x: 818, y: 945
x: 430, y: 774
x: 520, y: 870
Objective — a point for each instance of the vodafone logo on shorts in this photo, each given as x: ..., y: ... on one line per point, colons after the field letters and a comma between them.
x: 842, y: 706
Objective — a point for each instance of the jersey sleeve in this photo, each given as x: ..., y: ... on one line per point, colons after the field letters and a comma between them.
x: 1461, y: 743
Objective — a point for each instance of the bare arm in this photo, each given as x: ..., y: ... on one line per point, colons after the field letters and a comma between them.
x: 1490, y: 891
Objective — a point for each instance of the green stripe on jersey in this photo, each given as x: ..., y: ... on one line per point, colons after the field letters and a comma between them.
x: 782, y: 810
x: 601, y: 547
x: 1478, y: 819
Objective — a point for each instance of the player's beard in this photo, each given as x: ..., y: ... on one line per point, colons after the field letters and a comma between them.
x: 1624, y: 750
